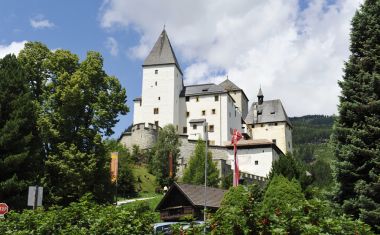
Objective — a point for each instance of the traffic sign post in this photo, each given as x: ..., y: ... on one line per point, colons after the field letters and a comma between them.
x: 35, y: 196
x: 3, y: 210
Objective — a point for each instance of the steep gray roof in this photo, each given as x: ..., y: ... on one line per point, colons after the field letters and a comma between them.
x: 260, y: 92
x: 203, y: 89
x: 195, y: 193
x: 229, y: 86
x: 162, y: 52
x: 268, y: 111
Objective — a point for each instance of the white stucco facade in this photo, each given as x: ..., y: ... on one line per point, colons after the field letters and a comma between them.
x: 255, y: 161
x: 278, y: 132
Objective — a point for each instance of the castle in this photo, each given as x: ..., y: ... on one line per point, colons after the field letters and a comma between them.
x: 224, y: 107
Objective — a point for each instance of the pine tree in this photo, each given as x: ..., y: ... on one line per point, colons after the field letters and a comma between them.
x: 19, y: 151
x: 195, y: 172
x: 357, y: 129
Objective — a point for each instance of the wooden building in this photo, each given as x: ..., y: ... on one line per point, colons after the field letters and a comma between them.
x: 186, y: 200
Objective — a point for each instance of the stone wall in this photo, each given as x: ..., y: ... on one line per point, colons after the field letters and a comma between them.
x: 141, y: 135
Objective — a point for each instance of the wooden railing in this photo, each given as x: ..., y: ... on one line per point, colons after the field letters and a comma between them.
x: 176, y: 213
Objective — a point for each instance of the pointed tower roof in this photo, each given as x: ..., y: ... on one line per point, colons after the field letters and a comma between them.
x: 260, y: 93
x: 162, y: 52
x: 229, y: 86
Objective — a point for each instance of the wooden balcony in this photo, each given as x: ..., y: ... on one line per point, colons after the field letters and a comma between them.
x: 175, y: 213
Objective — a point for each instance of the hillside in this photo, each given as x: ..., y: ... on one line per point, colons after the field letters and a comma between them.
x: 312, y: 129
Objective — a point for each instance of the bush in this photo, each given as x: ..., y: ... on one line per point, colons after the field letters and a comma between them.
x: 84, y: 217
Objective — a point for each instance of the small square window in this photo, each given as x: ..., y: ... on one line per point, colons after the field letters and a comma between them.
x: 155, y: 111
x: 194, y: 127
x: 156, y: 123
x: 155, y: 83
x: 211, y: 128
x: 262, y: 125
x: 216, y: 98
x: 256, y: 162
x: 156, y: 71
x: 203, y: 112
x: 275, y: 123
x: 159, y: 98
x: 213, y: 111
x: 187, y: 114
x: 197, y: 98
x: 274, y: 141
x: 184, y: 129
x: 187, y: 98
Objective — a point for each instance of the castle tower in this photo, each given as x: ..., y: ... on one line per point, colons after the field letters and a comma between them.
x: 161, y: 86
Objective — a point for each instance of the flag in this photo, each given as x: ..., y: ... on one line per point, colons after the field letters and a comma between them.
x: 234, y: 140
x: 114, y: 166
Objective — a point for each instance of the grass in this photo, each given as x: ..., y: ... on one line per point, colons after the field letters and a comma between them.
x: 145, y: 182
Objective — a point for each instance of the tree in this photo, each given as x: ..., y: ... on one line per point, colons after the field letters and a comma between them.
x: 239, y: 211
x: 126, y: 180
x: 195, y: 172
x: 79, y: 104
x: 289, y: 167
x: 167, y: 142
x: 357, y: 129
x: 19, y: 148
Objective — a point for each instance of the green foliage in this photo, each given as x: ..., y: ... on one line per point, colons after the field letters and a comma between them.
x: 167, y: 142
x: 78, y: 104
x: 20, y: 151
x: 357, y: 130
x: 289, y: 167
x: 125, y: 180
x: 227, y: 181
x: 281, y: 192
x: 238, y: 212
x: 311, y: 129
x: 195, y: 171
x: 83, y: 217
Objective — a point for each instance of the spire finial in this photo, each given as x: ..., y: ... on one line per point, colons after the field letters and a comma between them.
x: 164, y: 26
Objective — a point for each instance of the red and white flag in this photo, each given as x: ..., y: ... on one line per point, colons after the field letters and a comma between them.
x: 234, y: 140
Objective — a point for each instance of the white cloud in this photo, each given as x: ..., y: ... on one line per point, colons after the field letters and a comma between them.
x: 39, y: 22
x: 112, y: 46
x: 295, y: 55
x: 13, y: 48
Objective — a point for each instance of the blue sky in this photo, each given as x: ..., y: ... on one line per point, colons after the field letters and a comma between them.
x: 294, y: 50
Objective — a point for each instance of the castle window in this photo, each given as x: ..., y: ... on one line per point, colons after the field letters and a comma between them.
x: 187, y: 98
x: 216, y: 98
x: 155, y: 83
x: 184, y: 130
x: 156, y: 123
x: 273, y: 112
x: 262, y: 125
x: 275, y: 123
x: 187, y: 114
x: 194, y: 127
x: 203, y: 112
x: 155, y: 111
x: 156, y: 71
x: 213, y: 111
x: 274, y: 141
x: 159, y: 98
x: 256, y: 162
x: 211, y: 128
x: 176, y: 127
x: 197, y: 98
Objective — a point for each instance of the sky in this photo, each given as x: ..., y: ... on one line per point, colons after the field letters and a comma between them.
x: 294, y: 49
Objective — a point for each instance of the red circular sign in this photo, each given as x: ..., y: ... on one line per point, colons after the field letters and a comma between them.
x: 3, y: 208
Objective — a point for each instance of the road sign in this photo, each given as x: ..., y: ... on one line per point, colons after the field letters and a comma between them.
x: 3, y: 209
x: 35, y: 196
